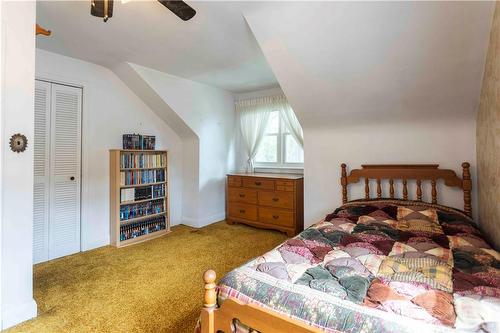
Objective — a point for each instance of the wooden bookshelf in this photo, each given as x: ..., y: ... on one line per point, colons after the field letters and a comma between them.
x: 137, y: 227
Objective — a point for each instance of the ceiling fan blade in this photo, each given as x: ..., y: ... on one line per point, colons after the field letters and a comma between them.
x: 179, y: 8
x: 101, y: 8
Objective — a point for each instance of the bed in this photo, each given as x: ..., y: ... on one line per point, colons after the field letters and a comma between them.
x: 372, y: 265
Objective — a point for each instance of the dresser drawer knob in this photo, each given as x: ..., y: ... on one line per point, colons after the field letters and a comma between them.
x: 276, y: 217
x: 242, y: 195
x: 258, y: 183
x: 242, y: 211
x: 276, y: 199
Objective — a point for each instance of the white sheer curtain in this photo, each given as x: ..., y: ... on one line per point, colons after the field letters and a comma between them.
x: 290, y: 120
x: 254, y: 115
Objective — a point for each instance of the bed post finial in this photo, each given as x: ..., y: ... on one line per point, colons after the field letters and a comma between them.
x: 467, y: 187
x: 343, y: 181
x: 210, y: 299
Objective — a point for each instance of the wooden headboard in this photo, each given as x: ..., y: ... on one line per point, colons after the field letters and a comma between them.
x: 406, y: 172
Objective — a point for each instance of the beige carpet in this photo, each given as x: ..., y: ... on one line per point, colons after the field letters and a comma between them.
x: 155, y: 286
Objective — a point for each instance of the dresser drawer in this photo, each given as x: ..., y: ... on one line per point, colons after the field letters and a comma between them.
x: 276, y: 199
x: 265, y: 184
x: 284, y: 188
x: 234, y: 181
x: 284, y: 185
x: 243, y: 211
x: 284, y: 182
x: 276, y: 217
x: 241, y: 194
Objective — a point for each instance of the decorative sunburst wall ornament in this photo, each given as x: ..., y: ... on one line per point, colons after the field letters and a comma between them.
x: 18, y: 143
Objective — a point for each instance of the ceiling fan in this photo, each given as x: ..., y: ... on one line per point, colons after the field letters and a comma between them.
x: 104, y: 8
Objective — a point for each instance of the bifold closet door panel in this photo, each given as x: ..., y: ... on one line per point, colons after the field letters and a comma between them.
x: 41, y: 184
x: 65, y: 143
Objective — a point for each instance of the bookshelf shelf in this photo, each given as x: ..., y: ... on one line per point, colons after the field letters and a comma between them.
x: 139, y: 218
x: 143, y: 238
x: 144, y: 151
x: 142, y: 185
x: 137, y: 199
x: 136, y: 169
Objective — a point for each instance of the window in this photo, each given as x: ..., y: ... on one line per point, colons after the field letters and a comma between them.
x: 278, y: 147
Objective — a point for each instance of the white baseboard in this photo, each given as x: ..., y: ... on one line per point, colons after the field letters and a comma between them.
x: 200, y: 223
x: 87, y: 246
x: 15, y: 315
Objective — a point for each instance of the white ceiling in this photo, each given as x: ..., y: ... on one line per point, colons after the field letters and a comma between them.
x: 215, y: 47
x: 368, y: 62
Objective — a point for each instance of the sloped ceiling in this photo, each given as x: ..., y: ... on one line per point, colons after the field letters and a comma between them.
x: 406, y: 57
x: 375, y: 83
x: 341, y: 62
x: 216, y: 47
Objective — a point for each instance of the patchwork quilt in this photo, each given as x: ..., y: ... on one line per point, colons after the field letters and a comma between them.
x: 379, y: 266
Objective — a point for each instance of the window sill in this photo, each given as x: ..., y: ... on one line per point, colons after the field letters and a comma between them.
x: 269, y: 169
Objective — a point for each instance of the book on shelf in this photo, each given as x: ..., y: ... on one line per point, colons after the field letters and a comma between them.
x: 142, y: 193
x: 137, y: 161
x: 127, y: 194
x: 142, y: 228
x: 149, y: 142
x: 131, y: 211
x: 142, y: 177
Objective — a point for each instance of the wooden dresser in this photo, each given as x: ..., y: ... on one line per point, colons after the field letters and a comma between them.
x: 272, y: 201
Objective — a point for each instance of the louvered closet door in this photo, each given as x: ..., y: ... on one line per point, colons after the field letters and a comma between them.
x: 64, y: 219
x: 41, y: 172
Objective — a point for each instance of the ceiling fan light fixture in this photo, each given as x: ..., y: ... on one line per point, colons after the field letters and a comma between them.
x: 102, y: 8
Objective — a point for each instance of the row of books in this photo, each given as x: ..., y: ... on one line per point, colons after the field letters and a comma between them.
x: 134, y: 160
x: 158, y: 191
x: 142, y: 228
x: 142, y: 177
x: 138, y: 141
x: 142, y: 193
x: 128, y: 212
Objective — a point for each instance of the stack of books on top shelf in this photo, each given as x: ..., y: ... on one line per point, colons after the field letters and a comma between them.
x: 138, y: 141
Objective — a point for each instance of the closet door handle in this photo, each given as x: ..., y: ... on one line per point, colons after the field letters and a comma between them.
x: 71, y: 178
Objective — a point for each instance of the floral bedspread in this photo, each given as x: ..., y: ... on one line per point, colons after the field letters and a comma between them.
x: 379, y: 266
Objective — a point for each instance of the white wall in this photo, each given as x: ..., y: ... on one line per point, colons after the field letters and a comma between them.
x: 110, y: 110
x: 377, y: 83
x: 16, y: 203
x: 209, y: 113
x: 446, y: 143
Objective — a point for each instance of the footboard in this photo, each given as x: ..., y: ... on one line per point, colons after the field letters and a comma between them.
x: 222, y: 319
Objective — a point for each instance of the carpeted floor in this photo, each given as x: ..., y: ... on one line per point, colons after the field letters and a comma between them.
x: 155, y: 286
